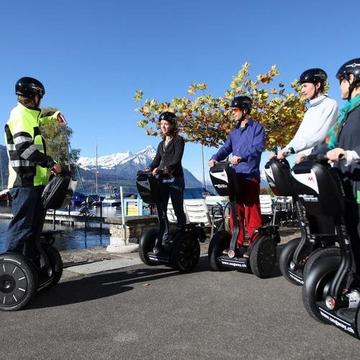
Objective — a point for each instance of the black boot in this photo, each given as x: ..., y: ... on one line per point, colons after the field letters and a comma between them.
x: 157, y: 246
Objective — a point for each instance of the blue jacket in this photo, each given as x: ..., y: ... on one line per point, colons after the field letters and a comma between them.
x: 248, y: 143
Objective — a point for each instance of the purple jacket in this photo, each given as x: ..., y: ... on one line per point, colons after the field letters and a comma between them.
x: 248, y: 143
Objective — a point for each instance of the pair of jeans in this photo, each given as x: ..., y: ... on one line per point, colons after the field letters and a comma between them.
x: 28, y: 218
x: 175, y: 191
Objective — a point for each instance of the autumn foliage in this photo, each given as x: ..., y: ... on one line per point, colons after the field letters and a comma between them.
x: 205, y: 119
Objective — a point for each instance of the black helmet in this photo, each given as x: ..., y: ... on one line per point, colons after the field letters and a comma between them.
x: 313, y: 76
x: 242, y: 102
x: 168, y: 116
x: 350, y: 67
x: 29, y: 87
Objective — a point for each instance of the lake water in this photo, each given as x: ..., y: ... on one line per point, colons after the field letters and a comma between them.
x: 68, y: 237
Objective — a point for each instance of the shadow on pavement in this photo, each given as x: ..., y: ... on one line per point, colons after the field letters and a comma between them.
x: 103, y: 285
x: 277, y: 272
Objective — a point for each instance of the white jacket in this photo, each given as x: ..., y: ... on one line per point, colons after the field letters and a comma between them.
x: 319, y: 117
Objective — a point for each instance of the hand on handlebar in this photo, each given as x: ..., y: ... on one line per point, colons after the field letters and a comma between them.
x: 282, y: 154
x: 335, y: 155
x: 299, y: 158
x: 156, y: 171
x: 212, y: 163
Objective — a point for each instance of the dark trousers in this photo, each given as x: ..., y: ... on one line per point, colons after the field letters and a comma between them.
x: 175, y: 191
x: 27, y: 222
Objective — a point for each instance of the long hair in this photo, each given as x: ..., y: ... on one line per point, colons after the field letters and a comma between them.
x: 173, y: 131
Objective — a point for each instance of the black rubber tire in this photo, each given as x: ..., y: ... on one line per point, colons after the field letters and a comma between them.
x: 286, y: 257
x: 313, y: 289
x: 185, y: 251
x: 263, y: 257
x: 219, y: 242
x: 56, y: 264
x: 319, y: 254
x: 18, y: 282
x: 146, y: 245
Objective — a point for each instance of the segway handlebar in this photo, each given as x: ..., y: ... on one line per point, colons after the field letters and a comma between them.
x: 319, y: 158
x: 161, y: 175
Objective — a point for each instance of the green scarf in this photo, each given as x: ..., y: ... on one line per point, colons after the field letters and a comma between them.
x: 331, y: 137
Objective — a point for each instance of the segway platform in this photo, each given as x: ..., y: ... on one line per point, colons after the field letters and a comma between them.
x: 159, y: 258
x: 344, y: 319
x: 296, y: 275
x: 234, y: 262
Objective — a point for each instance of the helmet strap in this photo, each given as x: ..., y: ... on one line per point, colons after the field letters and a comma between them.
x: 316, y: 92
x: 243, y: 117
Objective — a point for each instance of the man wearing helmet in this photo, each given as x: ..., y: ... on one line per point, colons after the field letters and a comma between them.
x: 319, y: 117
x: 28, y: 166
x: 246, y: 143
x: 342, y: 147
x: 167, y: 161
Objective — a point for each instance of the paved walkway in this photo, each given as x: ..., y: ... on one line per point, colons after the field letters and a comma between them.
x: 143, y: 312
x: 98, y: 259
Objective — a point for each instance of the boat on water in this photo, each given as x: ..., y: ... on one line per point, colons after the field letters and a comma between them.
x: 112, y: 201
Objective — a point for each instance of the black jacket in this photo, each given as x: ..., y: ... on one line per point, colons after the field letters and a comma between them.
x: 169, y: 157
x: 348, y: 139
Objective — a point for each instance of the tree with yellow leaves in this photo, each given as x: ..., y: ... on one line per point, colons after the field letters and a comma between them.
x: 207, y: 119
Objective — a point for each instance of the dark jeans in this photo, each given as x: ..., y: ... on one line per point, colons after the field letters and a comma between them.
x: 26, y: 225
x: 175, y: 191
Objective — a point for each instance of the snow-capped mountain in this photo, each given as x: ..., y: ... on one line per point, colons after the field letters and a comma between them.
x: 122, y: 167
x: 111, y: 162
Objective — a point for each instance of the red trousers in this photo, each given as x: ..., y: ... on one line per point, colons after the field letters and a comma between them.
x: 247, y: 209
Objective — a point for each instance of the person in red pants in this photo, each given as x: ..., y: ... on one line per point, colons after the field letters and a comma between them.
x: 246, y: 142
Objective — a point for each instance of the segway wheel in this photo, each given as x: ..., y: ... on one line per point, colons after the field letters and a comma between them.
x: 319, y: 254
x: 185, y: 252
x: 286, y: 257
x: 146, y: 245
x: 317, y: 283
x: 263, y: 257
x: 56, y: 264
x: 18, y: 282
x: 219, y: 242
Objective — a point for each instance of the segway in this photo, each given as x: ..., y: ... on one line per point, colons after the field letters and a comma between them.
x: 182, y: 252
x: 316, y: 234
x: 20, y: 277
x: 224, y: 252
x: 325, y: 296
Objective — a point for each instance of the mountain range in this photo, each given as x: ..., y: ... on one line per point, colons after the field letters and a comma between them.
x: 118, y: 169
x: 114, y: 170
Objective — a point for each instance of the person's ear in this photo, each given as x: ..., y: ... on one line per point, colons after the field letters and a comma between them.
x: 351, y: 78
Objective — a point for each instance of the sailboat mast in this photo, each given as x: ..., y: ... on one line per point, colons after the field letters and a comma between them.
x: 96, y: 171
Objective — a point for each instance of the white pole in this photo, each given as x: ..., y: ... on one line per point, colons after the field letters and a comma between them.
x: 203, y: 166
x: 123, y: 214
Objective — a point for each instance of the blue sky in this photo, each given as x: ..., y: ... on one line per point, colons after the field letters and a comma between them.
x: 93, y: 55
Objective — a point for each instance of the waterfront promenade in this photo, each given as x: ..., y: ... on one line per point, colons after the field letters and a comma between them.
x: 111, y: 306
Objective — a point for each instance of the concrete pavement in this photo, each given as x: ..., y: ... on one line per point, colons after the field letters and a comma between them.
x: 107, y: 307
